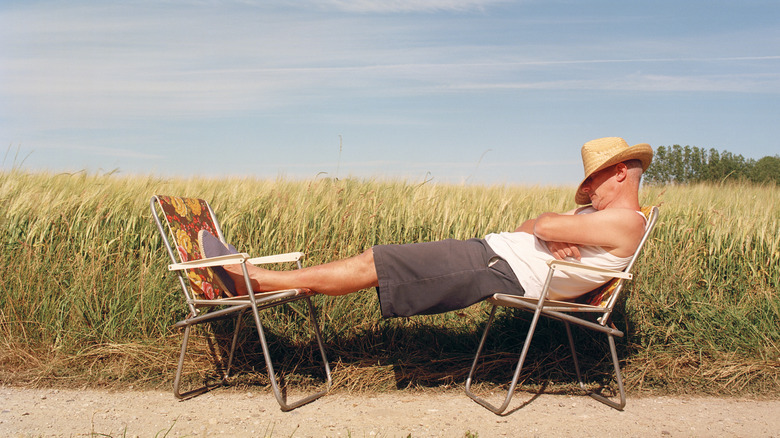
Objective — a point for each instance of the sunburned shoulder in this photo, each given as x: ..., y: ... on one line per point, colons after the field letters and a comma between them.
x: 610, y: 212
x: 625, y: 221
x: 613, y: 229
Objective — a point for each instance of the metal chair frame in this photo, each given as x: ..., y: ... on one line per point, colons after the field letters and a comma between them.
x: 237, y: 307
x: 565, y: 312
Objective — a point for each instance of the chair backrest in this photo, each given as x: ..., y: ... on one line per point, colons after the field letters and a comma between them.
x: 185, y: 217
x: 606, y: 295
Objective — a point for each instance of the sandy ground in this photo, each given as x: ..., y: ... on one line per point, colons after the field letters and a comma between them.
x: 230, y: 412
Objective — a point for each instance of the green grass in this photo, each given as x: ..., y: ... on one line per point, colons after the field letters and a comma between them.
x: 87, y: 298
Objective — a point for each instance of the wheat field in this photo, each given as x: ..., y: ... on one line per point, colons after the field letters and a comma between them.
x: 87, y: 299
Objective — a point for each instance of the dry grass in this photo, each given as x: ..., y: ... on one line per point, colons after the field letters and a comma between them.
x: 87, y: 299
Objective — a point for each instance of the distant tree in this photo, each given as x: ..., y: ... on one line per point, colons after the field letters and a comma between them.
x: 690, y: 164
x: 729, y: 166
x: 765, y: 170
x: 658, y: 172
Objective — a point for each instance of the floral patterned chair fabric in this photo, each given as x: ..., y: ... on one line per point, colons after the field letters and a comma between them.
x: 186, y: 217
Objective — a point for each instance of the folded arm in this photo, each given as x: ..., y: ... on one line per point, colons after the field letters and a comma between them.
x: 616, y: 230
x: 559, y: 250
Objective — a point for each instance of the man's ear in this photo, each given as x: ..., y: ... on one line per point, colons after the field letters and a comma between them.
x: 621, y: 172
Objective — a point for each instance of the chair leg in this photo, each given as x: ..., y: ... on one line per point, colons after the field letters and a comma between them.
x: 282, y: 399
x: 616, y: 364
x: 316, y: 328
x: 574, y: 355
x: 179, y: 369
x: 476, y: 357
x: 618, y: 377
x: 500, y: 409
x: 226, y: 375
x: 177, y: 379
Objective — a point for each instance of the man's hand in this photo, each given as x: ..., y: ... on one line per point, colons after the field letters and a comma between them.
x: 561, y: 250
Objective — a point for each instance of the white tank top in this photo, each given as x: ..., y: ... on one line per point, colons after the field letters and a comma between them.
x: 528, y: 257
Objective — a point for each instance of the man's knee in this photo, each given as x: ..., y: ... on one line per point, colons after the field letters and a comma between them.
x: 367, y: 266
x: 366, y: 259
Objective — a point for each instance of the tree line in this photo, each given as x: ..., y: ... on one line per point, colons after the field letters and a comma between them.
x: 691, y: 164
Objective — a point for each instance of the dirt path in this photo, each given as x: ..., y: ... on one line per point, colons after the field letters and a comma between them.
x: 228, y: 412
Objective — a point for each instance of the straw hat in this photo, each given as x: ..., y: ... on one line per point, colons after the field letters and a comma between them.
x: 604, y: 152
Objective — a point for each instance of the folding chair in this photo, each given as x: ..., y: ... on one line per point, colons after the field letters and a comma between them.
x: 206, y: 301
x: 599, y: 303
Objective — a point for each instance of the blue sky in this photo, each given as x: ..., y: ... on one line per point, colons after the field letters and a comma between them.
x: 477, y: 91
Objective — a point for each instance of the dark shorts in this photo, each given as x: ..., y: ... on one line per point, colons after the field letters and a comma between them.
x: 436, y: 277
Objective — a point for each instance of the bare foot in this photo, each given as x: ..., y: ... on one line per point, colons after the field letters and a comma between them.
x: 261, y: 279
x: 237, y: 274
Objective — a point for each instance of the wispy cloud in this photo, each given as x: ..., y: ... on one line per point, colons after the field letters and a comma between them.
x: 69, y: 146
x: 395, y: 6
x: 741, y: 83
x: 113, y: 62
x: 99, y: 78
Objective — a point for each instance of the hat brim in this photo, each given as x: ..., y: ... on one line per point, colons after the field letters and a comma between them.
x: 642, y: 152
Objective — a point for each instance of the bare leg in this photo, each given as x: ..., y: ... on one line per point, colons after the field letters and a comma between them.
x: 336, y: 278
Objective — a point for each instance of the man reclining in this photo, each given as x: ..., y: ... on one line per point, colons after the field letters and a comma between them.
x: 435, y: 277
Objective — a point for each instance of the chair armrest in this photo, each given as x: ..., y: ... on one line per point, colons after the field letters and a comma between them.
x: 277, y: 258
x: 564, y: 265
x: 230, y: 259
x: 234, y: 259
